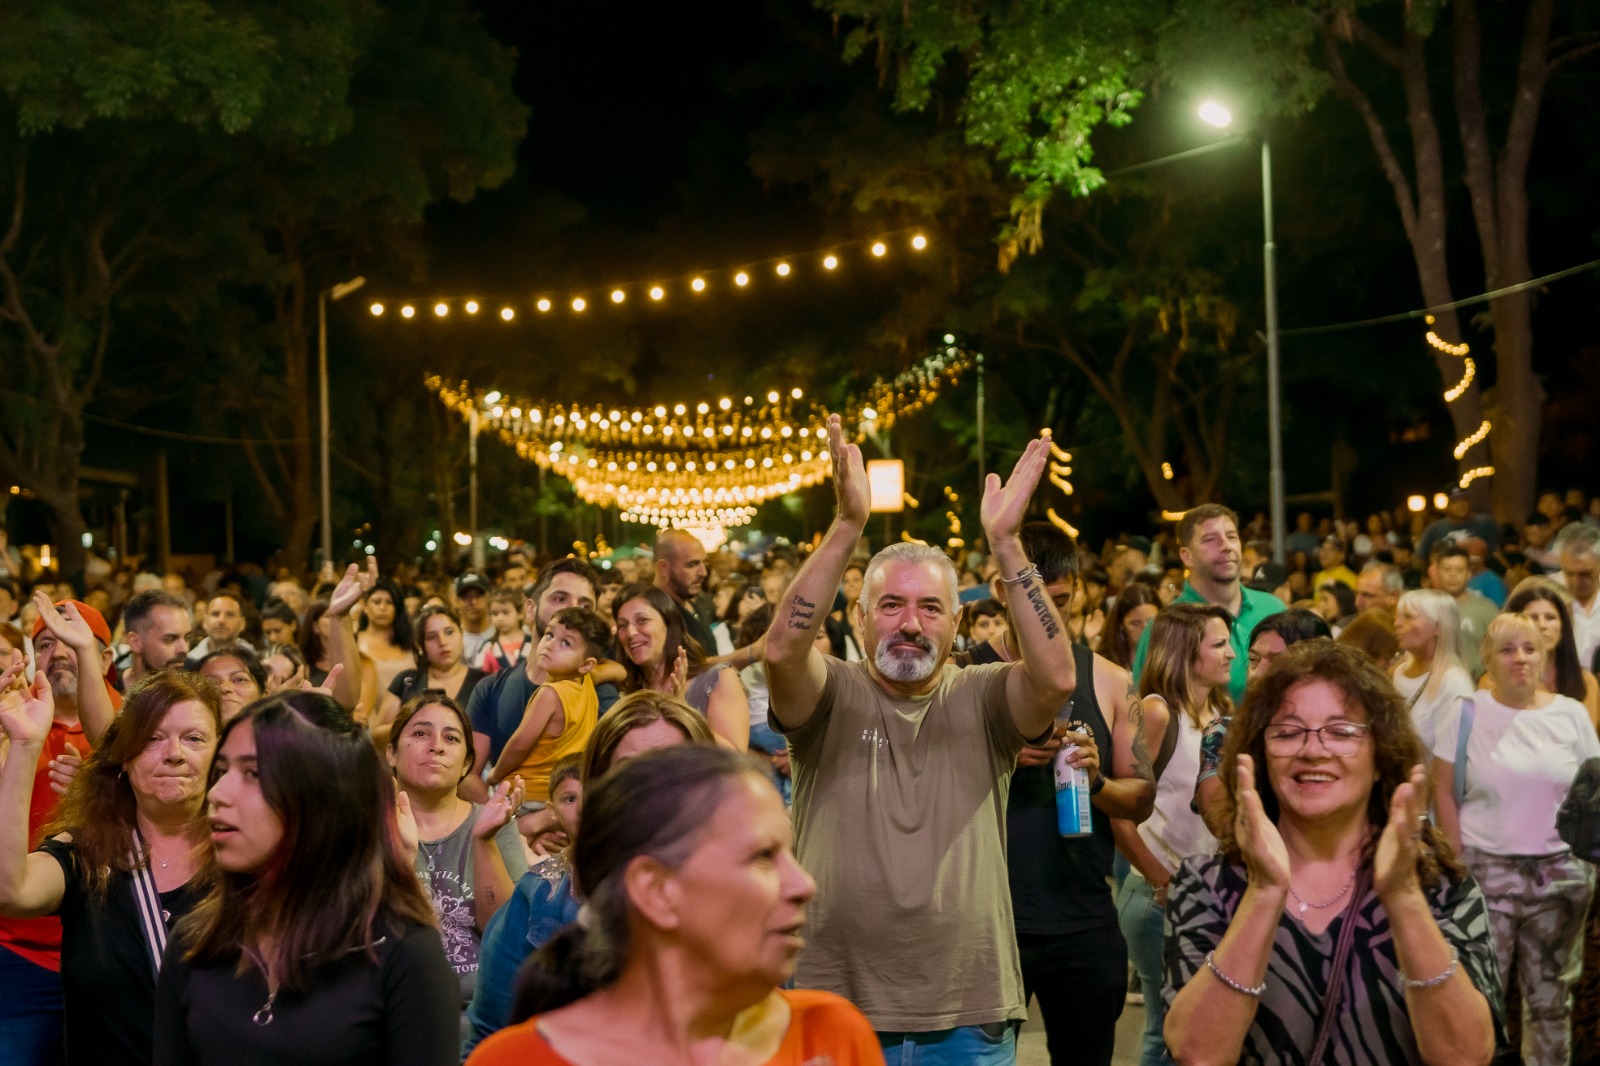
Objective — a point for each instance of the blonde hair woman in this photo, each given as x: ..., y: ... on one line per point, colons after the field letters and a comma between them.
x: 1523, y: 744
x: 1183, y: 689
x: 1430, y: 674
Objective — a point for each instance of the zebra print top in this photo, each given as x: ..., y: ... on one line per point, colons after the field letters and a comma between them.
x: 1373, y: 1026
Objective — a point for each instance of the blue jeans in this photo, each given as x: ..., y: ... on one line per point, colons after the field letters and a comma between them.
x: 1143, y: 927
x: 30, y: 1012
x: 993, y: 1044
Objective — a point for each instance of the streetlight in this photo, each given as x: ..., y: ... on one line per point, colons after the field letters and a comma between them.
x: 1214, y: 114
x: 336, y: 292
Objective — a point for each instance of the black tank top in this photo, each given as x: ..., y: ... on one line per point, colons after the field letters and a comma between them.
x: 1058, y: 885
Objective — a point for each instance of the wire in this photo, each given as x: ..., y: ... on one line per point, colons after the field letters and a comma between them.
x: 152, y: 431
x: 1403, y: 316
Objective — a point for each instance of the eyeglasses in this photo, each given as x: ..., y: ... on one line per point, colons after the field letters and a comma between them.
x: 1338, y: 738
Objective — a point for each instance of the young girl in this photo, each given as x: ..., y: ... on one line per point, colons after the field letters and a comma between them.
x: 511, y: 640
x: 316, y: 944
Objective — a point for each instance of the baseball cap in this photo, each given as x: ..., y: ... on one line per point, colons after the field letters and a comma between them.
x: 96, y: 620
x: 1268, y: 577
x: 472, y: 580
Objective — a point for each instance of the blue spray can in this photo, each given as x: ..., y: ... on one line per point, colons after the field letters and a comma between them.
x: 1072, y: 790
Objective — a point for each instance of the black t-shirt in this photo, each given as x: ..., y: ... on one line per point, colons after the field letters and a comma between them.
x: 698, y: 630
x: 1058, y: 884
x: 107, y: 978
x: 409, y: 684
x: 403, y: 1011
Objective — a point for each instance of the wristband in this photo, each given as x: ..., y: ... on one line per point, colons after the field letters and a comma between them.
x: 1253, y: 993
x: 1434, y: 982
x: 1029, y: 572
x: 1099, y: 783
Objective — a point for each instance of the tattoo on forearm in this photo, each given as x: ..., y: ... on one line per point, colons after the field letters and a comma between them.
x: 801, y: 613
x: 1041, y: 608
x: 1141, y: 749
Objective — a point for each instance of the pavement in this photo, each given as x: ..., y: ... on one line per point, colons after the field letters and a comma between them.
x: 1031, y: 1049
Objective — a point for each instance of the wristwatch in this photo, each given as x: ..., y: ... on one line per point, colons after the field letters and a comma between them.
x: 1099, y: 783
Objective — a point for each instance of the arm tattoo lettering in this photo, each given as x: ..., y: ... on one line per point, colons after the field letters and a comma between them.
x: 801, y: 613
x: 1041, y: 608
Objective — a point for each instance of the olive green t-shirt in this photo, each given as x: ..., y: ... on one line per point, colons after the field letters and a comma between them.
x: 900, y: 815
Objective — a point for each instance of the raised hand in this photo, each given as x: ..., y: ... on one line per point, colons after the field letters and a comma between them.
x: 63, y: 768
x: 406, y: 822
x: 26, y: 716
x: 1004, y: 505
x: 66, y: 623
x: 501, y: 808
x: 851, y: 493
x: 678, y: 680
x: 326, y: 688
x: 1394, y: 865
x: 349, y: 590
x: 369, y: 576
x: 1265, y: 857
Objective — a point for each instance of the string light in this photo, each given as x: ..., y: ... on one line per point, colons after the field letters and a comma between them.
x: 716, y: 464
x: 407, y: 311
x: 1166, y: 471
x: 506, y: 313
x: 661, y: 291
x: 1454, y: 393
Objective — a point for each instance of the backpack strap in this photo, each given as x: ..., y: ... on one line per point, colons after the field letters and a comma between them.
x: 1463, y: 732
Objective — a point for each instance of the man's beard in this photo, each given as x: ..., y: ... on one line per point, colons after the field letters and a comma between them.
x: 64, y: 684
x: 911, y: 668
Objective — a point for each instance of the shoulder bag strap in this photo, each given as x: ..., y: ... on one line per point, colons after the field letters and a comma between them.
x: 147, y: 904
x: 1464, y: 730
x: 1341, y: 959
x: 1169, y: 740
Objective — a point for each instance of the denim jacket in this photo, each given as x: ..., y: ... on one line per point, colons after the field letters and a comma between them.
x: 541, y: 905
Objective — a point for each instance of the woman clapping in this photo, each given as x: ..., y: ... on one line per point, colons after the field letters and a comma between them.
x: 1334, y: 925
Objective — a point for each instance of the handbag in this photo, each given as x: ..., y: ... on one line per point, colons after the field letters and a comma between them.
x: 1578, y: 821
x: 1459, y: 781
x: 1341, y: 959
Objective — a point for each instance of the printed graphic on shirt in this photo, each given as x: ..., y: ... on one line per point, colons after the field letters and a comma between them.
x: 453, y: 902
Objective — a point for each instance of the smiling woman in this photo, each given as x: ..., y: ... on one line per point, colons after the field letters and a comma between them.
x: 1334, y: 925
x: 121, y: 859
x: 659, y: 654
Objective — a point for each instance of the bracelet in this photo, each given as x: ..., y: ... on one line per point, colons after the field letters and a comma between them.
x: 1253, y: 993
x: 1434, y: 982
x: 1030, y: 572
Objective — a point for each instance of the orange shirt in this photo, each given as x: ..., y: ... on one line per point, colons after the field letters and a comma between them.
x: 824, y: 1030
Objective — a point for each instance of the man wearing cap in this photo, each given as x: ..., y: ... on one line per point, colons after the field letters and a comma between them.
x: 1273, y: 579
x: 1458, y: 522
x: 1331, y: 554
x: 472, y: 603
x: 1208, y: 544
x: 73, y: 648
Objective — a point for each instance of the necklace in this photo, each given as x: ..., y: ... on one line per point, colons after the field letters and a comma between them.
x: 1306, y: 905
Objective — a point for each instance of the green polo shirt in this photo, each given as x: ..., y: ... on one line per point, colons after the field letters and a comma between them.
x: 1252, y: 608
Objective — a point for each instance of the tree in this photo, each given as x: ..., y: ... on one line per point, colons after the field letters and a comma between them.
x: 1035, y: 78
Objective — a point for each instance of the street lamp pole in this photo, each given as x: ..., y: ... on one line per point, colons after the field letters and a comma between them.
x: 337, y: 292
x: 1215, y: 114
x: 1269, y: 257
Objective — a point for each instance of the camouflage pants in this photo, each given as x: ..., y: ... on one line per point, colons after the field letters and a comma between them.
x: 1537, y: 906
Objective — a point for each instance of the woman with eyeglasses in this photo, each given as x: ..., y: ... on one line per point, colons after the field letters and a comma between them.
x: 1334, y: 925
x: 1523, y: 746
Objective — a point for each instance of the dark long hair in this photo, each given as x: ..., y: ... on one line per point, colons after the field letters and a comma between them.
x: 400, y: 635
x: 677, y: 635
x: 1114, y: 644
x: 419, y: 640
x: 1176, y: 635
x: 338, y: 880
x: 1569, y: 671
x: 311, y: 645
x: 655, y: 806
x: 1396, y: 747
x: 98, y: 809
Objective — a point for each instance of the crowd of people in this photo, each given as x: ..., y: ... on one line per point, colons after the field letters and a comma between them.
x: 817, y: 807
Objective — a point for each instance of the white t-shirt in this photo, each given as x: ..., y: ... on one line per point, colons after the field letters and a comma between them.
x: 1520, y: 765
x: 1173, y: 832
x: 1426, y: 711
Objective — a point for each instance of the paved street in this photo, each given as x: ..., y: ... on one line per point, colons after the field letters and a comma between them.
x: 1031, y: 1050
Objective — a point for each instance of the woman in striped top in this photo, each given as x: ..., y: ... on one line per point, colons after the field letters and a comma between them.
x: 1335, y: 925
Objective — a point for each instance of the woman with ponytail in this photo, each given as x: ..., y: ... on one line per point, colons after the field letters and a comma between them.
x: 693, y: 908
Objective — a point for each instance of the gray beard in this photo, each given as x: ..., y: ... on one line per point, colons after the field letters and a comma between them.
x: 906, y: 668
